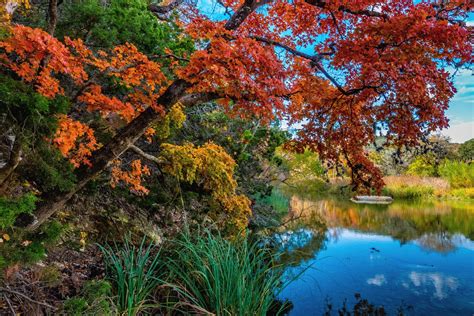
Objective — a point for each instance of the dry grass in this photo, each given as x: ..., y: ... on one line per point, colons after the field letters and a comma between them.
x: 406, y: 186
x: 412, y: 181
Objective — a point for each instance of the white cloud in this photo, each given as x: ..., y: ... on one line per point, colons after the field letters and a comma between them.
x: 442, y: 284
x: 378, y: 280
x: 460, y: 132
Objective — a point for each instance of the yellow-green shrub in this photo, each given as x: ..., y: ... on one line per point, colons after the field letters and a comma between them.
x: 463, y: 193
x: 459, y: 174
x: 212, y: 168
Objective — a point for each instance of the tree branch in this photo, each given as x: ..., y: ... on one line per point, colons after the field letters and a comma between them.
x: 163, y: 12
x: 191, y: 99
x: 27, y: 298
x: 243, y: 12
x: 146, y: 156
x: 322, y: 4
x: 316, y: 63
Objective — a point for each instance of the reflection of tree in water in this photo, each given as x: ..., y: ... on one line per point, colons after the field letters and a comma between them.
x: 362, y: 307
x: 298, y: 246
x: 432, y: 224
x: 441, y: 242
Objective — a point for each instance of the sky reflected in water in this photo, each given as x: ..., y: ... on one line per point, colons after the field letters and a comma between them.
x: 401, y: 255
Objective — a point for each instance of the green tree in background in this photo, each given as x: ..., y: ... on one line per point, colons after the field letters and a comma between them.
x: 466, y: 150
x: 103, y: 25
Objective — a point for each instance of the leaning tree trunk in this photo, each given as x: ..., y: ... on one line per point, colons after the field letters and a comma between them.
x: 130, y: 134
x: 101, y: 159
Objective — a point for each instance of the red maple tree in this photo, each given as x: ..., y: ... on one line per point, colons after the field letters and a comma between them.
x: 341, y: 69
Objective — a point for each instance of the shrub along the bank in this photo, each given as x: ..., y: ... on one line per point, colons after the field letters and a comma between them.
x: 459, y: 174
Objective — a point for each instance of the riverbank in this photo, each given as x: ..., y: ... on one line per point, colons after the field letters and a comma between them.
x: 404, y: 187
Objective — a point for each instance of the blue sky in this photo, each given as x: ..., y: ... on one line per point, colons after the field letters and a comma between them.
x: 461, y: 110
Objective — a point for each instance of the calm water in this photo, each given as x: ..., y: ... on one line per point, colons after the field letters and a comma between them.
x: 404, y: 254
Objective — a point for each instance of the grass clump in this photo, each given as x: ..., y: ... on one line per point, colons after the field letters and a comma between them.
x: 221, y: 277
x: 134, y: 272
x: 415, y: 187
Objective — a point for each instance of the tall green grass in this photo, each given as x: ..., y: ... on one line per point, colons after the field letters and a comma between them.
x: 224, y: 277
x: 134, y: 272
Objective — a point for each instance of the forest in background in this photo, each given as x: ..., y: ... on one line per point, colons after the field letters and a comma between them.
x: 142, y: 142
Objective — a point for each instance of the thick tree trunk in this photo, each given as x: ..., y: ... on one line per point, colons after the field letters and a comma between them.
x: 102, y: 158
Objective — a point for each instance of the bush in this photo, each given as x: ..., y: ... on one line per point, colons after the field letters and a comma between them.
x: 28, y: 248
x: 459, y: 174
x: 95, y: 300
x: 220, y: 277
x: 423, y: 166
x: 463, y: 193
x: 134, y: 272
x: 11, y: 208
x: 49, y: 170
x: 106, y: 24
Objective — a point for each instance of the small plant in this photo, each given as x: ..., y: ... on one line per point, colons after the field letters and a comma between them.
x: 217, y: 276
x: 95, y: 300
x: 134, y: 272
x: 463, y: 193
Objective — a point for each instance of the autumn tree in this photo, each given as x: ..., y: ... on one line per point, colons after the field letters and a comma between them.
x: 342, y: 70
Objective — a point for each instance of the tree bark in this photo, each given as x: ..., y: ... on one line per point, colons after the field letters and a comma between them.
x: 52, y: 16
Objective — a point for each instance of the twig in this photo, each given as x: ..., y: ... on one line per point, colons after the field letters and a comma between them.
x: 27, y: 298
x: 10, y: 305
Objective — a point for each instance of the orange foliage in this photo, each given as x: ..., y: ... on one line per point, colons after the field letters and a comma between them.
x: 37, y: 57
x: 132, y: 177
x: 369, y: 67
x: 75, y: 141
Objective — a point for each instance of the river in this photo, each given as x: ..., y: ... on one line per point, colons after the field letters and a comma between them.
x: 418, y: 256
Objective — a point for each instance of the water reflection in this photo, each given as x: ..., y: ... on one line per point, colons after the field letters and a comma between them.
x: 418, y: 253
x: 437, y: 225
x: 442, y: 284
